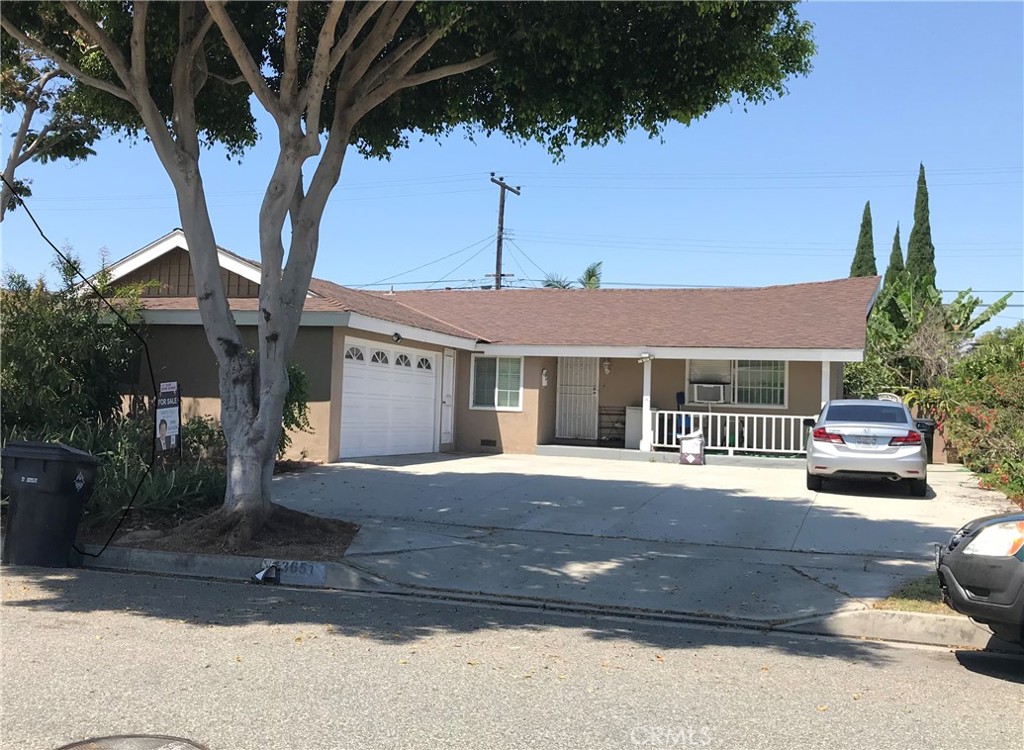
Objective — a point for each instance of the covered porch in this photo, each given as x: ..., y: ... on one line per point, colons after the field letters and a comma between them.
x: 743, y: 401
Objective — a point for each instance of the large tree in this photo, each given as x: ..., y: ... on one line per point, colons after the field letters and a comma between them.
x: 864, y: 256
x: 335, y: 74
x: 920, y: 250
x: 37, y: 92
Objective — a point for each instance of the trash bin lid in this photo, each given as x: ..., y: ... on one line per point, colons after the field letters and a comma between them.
x: 43, y: 451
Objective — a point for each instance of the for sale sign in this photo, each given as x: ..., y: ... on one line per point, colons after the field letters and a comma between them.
x: 168, y: 419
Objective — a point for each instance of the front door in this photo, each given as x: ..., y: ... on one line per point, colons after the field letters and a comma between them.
x: 576, y: 407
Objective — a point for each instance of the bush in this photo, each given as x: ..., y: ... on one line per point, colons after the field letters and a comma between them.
x: 168, y: 494
x: 982, y: 403
x: 65, y: 355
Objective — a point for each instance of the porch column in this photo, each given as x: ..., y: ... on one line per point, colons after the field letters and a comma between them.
x: 826, y: 382
x: 646, y: 426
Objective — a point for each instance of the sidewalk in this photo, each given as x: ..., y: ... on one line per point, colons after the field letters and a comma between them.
x: 767, y: 590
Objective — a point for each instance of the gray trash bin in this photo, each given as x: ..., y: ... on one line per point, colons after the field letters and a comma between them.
x: 48, y: 485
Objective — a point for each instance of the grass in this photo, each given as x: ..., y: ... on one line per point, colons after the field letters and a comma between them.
x: 918, y: 595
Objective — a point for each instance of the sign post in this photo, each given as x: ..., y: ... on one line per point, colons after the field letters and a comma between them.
x: 168, y: 421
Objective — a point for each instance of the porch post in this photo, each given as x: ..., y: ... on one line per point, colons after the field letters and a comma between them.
x: 646, y: 426
x: 826, y: 381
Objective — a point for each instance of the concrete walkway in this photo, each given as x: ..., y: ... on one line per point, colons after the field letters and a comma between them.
x: 740, y: 543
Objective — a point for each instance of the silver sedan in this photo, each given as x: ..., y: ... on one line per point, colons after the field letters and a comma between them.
x: 866, y: 439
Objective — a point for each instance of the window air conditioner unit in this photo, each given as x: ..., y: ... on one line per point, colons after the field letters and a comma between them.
x: 705, y: 393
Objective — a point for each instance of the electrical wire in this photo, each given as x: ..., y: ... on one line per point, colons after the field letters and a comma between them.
x: 135, y: 332
x: 467, y: 260
x: 527, y: 256
x: 486, y: 239
x: 512, y: 254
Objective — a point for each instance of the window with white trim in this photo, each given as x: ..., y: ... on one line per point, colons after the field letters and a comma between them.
x: 379, y: 357
x: 402, y: 360
x: 760, y: 382
x: 744, y: 382
x: 497, y: 383
x: 423, y: 363
x: 354, y: 352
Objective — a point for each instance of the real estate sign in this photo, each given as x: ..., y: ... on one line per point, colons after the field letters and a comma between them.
x: 168, y: 419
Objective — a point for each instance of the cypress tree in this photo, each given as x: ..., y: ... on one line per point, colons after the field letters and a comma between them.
x: 896, y: 266
x: 920, y: 250
x: 864, y: 256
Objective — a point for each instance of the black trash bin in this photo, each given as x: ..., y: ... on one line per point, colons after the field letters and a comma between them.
x: 927, y: 429
x: 48, y: 485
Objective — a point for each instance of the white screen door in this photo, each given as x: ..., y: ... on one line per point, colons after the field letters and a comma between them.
x: 576, y: 407
x: 448, y: 396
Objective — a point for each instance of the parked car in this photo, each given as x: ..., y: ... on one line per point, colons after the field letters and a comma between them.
x: 981, y: 573
x: 866, y: 439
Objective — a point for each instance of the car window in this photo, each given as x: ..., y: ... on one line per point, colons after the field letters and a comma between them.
x: 866, y: 413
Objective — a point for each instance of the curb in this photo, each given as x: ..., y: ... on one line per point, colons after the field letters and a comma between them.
x: 333, y: 575
x: 871, y: 624
x: 952, y: 631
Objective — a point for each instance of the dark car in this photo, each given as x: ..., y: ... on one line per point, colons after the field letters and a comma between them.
x: 981, y: 573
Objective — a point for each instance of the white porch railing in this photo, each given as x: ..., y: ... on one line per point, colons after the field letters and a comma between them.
x: 745, y: 433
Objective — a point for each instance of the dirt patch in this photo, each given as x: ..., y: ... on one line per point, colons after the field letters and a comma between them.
x: 287, y: 535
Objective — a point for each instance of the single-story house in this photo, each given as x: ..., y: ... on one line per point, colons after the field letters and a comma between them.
x: 510, y: 370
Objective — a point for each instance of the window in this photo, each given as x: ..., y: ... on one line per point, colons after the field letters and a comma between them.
x: 402, y: 360
x: 744, y: 382
x: 497, y: 383
x: 760, y: 382
x: 379, y: 357
x: 354, y: 352
x: 424, y: 364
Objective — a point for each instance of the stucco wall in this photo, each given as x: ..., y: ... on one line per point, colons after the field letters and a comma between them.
x: 511, y: 431
x: 182, y: 353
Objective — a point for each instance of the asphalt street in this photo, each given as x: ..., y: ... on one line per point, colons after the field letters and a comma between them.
x: 246, y: 667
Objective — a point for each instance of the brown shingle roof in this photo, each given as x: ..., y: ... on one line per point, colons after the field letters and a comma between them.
x: 819, y: 315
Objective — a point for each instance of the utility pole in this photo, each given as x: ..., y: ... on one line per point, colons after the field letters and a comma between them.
x: 499, y: 181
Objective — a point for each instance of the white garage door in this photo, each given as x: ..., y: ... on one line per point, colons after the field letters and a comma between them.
x: 389, y: 400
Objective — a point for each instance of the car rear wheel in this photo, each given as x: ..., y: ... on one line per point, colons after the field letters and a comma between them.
x: 918, y: 487
x: 813, y: 482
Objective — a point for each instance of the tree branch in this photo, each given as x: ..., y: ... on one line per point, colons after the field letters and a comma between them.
x: 99, y: 36
x: 389, y: 88
x: 140, y: 12
x: 229, y: 81
x: 352, y: 30
x: 246, y: 64
x: 313, y: 90
x: 383, y: 31
x: 71, y: 70
x: 291, y: 53
x: 35, y: 147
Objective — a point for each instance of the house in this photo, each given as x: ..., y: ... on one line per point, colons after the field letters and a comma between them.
x: 511, y: 370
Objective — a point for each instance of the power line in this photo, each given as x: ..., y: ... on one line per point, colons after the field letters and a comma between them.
x: 438, y: 260
x: 519, y: 265
x: 527, y: 256
x: 467, y: 260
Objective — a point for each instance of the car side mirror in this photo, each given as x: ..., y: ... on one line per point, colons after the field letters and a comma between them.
x: 809, y: 421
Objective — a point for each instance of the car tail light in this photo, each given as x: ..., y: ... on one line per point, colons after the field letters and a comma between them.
x: 998, y: 540
x: 824, y: 436
x: 913, y: 437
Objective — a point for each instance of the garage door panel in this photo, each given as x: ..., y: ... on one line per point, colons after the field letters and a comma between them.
x: 388, y: 409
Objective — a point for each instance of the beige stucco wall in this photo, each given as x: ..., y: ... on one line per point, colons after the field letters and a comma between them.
x: 512, y: 431
x: 182, y: 353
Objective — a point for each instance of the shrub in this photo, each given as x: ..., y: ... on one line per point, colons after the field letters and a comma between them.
x: 65, y: 355
x: 168, y: 494
x: 983, y: 409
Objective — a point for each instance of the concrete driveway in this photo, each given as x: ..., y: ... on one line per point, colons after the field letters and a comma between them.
x: 750, y: 504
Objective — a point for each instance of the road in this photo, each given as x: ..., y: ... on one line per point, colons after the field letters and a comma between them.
x: 241, y: 667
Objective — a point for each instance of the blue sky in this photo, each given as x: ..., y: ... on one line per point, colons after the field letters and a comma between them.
x: 771, y: 195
